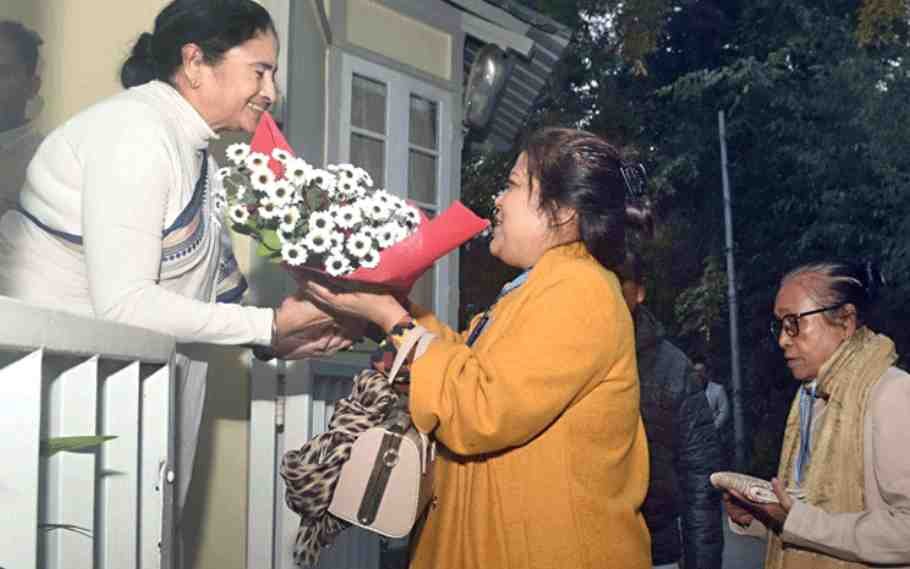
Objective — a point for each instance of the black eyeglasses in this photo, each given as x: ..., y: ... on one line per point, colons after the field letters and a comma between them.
x: 790, y: 322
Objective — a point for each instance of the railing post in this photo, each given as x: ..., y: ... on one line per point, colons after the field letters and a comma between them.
x: 112, y: 506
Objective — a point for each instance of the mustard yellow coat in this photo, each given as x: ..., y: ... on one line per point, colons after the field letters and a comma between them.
x: 546, y: 463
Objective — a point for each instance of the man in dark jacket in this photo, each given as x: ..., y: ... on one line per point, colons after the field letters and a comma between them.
x: 681, y: 509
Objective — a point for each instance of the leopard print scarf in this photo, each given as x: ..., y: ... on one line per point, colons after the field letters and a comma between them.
x: 311, y: 473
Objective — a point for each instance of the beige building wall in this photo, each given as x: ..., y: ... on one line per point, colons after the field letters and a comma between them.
x: 85, y: 42
x: 400, y: 38
x: 84, y: 45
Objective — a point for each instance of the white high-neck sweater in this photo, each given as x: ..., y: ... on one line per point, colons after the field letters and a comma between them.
x: 17, y: 146
x: 117, y: 174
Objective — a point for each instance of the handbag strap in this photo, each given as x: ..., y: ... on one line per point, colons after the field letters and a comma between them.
x: 417, y: 337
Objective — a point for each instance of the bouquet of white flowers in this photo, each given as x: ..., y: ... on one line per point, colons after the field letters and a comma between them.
x: 331, y: 220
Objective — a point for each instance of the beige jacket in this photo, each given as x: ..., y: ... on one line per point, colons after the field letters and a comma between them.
x: 880, y: 535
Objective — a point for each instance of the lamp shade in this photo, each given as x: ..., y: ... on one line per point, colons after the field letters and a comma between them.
x: 485, y: 82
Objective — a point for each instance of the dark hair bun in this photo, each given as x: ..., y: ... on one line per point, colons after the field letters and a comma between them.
x: 141, y: 66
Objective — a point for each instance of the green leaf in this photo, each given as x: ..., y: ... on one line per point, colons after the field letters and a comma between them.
x: 87, y: 532
x: 243, y: 229
x: 269, y: 243
x: 56, y: 444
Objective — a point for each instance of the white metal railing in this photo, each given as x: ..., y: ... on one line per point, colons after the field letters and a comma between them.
x: 108, y: 507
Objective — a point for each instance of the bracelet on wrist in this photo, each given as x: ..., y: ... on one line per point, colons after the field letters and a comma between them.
x: 266, y: 353
x: 263, y: 353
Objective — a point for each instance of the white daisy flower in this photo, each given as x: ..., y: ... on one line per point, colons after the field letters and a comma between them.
x: 345, y: 171
x: 400, y: 232
x: 395, y: 203
x: 293, y: 254
x: 281, y: 192
x: 337, y: 250
x: 334, y: 210
x: 383, y: 197
x: 240, y: 214
x: 297, y: 171
x: 368, y: 231
x: 363, y: 177
x: 268, y: 209
x: 262, y: 179
x: 238, y: 152
x: 385, y: 236
x: 348, y: 216
x: 370, y: 259
x: 347, y: 187
x: 318, y: 241
x: 256, y: 161
x: 223, y: 173
x: 321, y: 220
x: 337, y: 265
x: 281, y: 155
x: 337, y: 239
x: 286, y: 235
x: 323, y: 179
x: 289, y: 216
x: 375, y: 210
x: 359, y: 244
x: 410, y: 215
x: 389, y: 233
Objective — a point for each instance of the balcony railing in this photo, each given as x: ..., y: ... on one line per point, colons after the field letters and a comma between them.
x: 111, y: 506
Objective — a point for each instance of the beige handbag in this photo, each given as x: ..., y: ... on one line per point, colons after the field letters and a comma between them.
x: 387, y: 482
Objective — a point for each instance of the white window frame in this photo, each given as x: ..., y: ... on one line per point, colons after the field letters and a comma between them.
x: 399, y: 88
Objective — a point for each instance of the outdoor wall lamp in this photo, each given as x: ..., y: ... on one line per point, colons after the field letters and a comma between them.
x: 486, y: 80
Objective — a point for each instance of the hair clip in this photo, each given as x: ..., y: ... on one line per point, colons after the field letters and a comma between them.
x: 635, y: 177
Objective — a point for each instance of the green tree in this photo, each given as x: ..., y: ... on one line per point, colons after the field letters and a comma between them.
x: 817, y: 100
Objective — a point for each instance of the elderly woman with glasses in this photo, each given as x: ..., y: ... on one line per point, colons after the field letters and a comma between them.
x: 844, y: 477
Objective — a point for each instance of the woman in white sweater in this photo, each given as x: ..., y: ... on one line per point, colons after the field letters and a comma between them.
x: 116, y: 218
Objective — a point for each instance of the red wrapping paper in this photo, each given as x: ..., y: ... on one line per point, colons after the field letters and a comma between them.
x: 403, y: 263
x: 267, y: 138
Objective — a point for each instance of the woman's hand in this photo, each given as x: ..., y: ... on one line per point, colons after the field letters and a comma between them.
x: 382, y: 309
x: 303, y: 330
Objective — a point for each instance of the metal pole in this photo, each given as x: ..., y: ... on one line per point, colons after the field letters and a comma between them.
x: 739, y: 431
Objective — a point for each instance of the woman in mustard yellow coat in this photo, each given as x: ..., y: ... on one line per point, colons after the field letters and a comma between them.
x: 543, y: 462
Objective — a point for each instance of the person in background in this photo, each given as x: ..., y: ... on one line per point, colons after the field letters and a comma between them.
x: 542, y: 454
x: 719, y: 404
x: 844, y: 477
x: 716, y: 394
x: 682, y: 509
x: 20, y: 82
x: 116, y: 219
